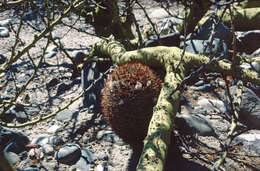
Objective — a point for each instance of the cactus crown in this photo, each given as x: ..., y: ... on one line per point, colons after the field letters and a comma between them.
x: 128, y: 97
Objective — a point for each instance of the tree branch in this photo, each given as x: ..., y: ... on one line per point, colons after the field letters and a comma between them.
x: 156, y: 143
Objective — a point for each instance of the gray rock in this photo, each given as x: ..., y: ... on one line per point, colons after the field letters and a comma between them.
x: 251, y: 142
x: 8, y: 116
x: 9, y: 89
x: 3, y: 59
x: 99, y: 168
x: 23, y: 78
x: 32, y: 169
x: 222, y: 32
x: 55, y: 141
x: 106, y: 136
x: 50, y: 54
x: 69, y: 154
x: 53, y: 129
x: 168, y: 25
x: 250, y: 41
x: 41, y: 139
x: 13, y: 158
x: 52, y: 48
x: 31, y: 15
x: 44, y: 139
x: 18, y: 112
x: 172, y: 39
x: 256, y: 67
x: 199, y: 83
x: 47, y: 149
x: 82, y: 164
x: 4, y: 32
x: 249, y: 113
x: 201, y: 47
x: 51, y: 51
x: 207, y: 106
x: 102, y: 155
x: 64, y: 115
x: 89, y: 156
x: 13, y: 141
x: 194, y: 125
x: 159, y: 13
x: 32, y: 110
x: 21, y: 116
x: 205, y: 87
x: 246, y: 66
x: 5, y: 23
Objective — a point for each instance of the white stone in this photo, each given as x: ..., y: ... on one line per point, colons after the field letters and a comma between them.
x: 256, y: 66
x: 52, y: 48
x: 211, y: 105
x: 4, y: 32
x: 250, y: 137
x: 53, y: 128
x: 99, y: 168
x: 159, y: 13
x: 5, y: 23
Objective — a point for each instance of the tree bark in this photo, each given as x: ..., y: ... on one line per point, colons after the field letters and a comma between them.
x: 246, y: 16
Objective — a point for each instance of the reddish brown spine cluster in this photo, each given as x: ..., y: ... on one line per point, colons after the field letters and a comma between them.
x: 128, y: 97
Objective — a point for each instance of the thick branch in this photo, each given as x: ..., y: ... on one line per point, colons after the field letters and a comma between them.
x: 244, y: 19
x: 158, y: 56
x: 158, y: 137
x: 246, y: 15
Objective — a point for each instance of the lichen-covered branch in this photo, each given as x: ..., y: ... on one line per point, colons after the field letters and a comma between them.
x: 158, y: 56
x: 104, y: 17
x: 195, y: 13
x: 158, y: 137
x: 244, y: 19
x: 246, y: 15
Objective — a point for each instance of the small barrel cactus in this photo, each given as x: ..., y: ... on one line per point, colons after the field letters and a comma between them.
x: 128, y: 97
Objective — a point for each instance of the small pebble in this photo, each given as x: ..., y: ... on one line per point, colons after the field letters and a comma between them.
x: 5, y: 23
x: 47, y: 149
x: 53, y: 128
x: 68, y: 154
x: 4, y: 32
x: 99, y: 168
x: 64, y: 115
x: 13, y: 158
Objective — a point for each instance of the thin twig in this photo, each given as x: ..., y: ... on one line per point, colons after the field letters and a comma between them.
x: 37, y: 37
x: 149, y: 19
x: 42, y: 118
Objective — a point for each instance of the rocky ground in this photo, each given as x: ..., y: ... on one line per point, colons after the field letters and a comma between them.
x: 78, y: 138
